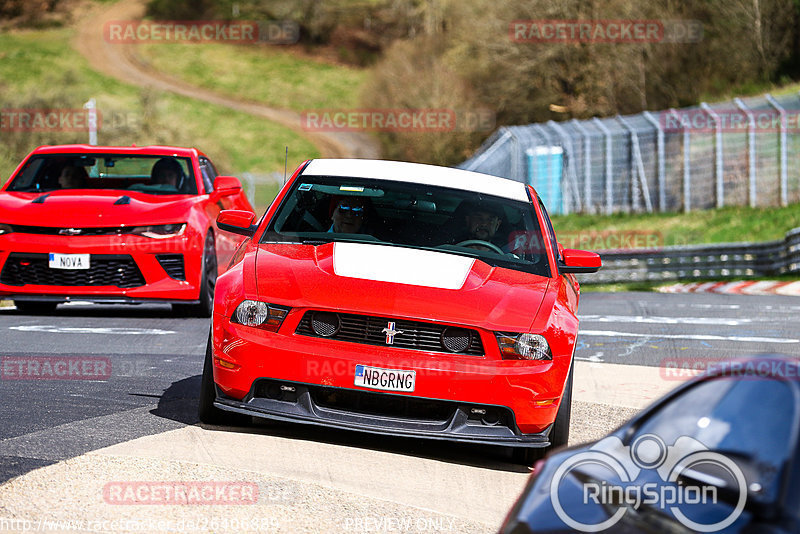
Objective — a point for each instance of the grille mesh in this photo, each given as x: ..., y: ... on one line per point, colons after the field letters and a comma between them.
x: 106, y: 270
x: 417, y: 335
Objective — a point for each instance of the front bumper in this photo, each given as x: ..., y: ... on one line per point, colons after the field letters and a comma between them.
x: 524, y: 394
x: 154, y: 283
x: 448, y: 420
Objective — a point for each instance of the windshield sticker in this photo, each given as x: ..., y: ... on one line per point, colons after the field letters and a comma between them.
x: 304, y: 187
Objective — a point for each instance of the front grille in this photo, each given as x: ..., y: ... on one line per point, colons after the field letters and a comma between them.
x: 63, y: 230
x: 368, y: 330
x: 382, y: 404
x: 173, y: 265
x: 362, y: 402
x: 105, y: 270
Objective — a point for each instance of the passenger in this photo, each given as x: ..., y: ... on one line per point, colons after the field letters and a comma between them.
x: 349, y: 216
x: 73, y: 177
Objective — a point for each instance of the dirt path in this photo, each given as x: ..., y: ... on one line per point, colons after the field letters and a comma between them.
x: 122, y: 62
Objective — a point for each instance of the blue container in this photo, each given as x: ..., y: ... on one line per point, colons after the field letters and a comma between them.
x: 545, y: 170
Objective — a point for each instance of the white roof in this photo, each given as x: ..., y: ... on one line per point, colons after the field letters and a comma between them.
x: 419, y: 173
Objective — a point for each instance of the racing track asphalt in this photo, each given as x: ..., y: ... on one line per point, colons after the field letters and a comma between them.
x: 140, y: 424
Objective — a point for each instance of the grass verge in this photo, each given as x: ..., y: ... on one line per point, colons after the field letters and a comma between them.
x: 268, y: 74
x: 39, y: 72
x: 725, y: 225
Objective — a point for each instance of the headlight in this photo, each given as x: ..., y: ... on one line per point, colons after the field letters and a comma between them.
x: 160, y: 231
x: 5, y: 229
x: 523, y: 346
x: 260, y: 314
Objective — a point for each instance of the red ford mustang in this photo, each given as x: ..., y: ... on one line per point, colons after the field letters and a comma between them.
x: 401, y: 299
x: 115, y: 224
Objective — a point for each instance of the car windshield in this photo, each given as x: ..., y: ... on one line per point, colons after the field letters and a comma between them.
x: 732, y: 416
x: 497, y: 230
x: 158, y: 175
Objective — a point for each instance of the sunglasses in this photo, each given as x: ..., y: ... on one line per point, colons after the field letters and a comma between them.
x: 356, y: 211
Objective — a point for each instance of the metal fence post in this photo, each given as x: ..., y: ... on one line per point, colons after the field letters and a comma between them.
x: 661, y: 164
x: 609, y: 168
x: 515, y: 170
x: 587, y: 166
x: 751, y: 150
x: 784, y: 170
x: 717, y: 153
x: 687, y: 174
x: 548, y: 143
x: 572, y: 177
x: 637, y: 164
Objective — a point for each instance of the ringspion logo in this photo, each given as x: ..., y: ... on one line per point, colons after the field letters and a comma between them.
x: 648, y: 472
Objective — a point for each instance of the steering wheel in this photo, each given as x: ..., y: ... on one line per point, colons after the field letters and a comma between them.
x: 482, y: 243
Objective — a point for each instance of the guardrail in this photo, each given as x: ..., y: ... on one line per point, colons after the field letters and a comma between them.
x: 700, y: 262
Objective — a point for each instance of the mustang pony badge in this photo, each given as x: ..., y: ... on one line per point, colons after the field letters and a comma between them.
x: 390, y: 333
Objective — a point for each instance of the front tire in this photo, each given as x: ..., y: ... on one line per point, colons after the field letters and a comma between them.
x: 206, y: 411
x: 559, y: 433
x: 207, y: 283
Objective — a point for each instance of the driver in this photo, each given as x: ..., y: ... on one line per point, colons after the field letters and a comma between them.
x: 481, y: 222
x: 167, y: 172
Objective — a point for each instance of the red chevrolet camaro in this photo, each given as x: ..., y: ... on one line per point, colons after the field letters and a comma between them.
x: 399, y: 298
x: 115, y: 224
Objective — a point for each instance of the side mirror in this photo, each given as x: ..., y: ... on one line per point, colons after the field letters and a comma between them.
x: 237, y: 221
x: 580, y: 261
x: 226, y: 186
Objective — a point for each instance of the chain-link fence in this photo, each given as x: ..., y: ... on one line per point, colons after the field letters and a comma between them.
x: 743, y: 152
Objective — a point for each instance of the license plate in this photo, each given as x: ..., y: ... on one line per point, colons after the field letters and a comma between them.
x: 385, y: 379
x: 69, y: 261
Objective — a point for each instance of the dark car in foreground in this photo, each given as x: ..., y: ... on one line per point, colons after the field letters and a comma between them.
x: 718, y: 454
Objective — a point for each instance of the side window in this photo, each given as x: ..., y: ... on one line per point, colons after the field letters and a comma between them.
x: 209, y: 174
x: 549, y: 229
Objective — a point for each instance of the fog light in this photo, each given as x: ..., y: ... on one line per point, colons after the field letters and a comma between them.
x: 456, y: 339
x: 325, y: 324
